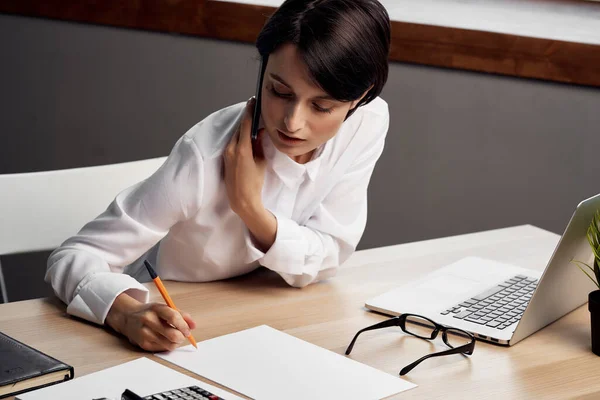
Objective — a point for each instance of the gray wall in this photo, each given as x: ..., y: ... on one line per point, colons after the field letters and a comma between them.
x: 465, y: 151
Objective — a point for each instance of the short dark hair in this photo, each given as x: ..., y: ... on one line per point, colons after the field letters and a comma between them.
x: 344, y: 43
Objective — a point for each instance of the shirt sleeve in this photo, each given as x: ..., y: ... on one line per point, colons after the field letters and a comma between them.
x: 86, y: 270
x: 303, y: 254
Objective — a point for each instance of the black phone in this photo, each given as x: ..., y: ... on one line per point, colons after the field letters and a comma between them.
x: 258, y: 97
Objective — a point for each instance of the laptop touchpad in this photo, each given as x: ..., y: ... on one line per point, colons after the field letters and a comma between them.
x: 448, y: 285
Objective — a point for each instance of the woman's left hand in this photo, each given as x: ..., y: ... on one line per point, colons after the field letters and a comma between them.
x: 244, y: 165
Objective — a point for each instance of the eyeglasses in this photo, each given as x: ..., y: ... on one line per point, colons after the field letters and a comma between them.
x: 459, y: 341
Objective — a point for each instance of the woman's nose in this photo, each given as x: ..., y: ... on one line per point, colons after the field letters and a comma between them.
x: 294, y: 119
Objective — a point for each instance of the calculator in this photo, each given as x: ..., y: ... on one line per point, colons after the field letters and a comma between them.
x: 187, y: 393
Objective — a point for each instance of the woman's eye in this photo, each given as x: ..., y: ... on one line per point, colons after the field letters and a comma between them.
x: 317, y: 107
x: 322, y: 109
x: 280, y: 94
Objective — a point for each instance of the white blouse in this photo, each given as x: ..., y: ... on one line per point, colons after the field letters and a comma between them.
x: 320, y: 207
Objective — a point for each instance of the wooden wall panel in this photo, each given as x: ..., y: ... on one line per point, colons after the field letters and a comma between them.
x: 440, y: 46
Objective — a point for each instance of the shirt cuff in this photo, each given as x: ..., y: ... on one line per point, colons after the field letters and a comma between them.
x: 286, y: 255
x: 95, y: 299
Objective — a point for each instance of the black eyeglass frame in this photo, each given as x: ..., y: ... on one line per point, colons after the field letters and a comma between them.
x: 466, y: 349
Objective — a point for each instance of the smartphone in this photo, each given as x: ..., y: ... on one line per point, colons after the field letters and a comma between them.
x: 258, y: 97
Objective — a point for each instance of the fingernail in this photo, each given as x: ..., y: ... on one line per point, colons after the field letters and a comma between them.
x: 251, y: 100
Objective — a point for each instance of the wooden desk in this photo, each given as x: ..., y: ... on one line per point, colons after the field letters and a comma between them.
x: 556, y: 362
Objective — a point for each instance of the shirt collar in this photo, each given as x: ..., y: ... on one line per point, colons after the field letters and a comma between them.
x: 312, y: 167
x: 288, y: 170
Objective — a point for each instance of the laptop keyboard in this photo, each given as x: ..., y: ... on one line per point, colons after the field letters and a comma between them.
x: 498, y: 307
x: 188, y: 393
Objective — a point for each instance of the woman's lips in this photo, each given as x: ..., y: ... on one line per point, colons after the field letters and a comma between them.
x: 288, y: 139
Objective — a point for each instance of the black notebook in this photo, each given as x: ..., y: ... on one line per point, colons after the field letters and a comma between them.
x: 23, y: 368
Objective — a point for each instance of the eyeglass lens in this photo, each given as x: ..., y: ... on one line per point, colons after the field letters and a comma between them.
x: 456, y: 338
x: 418, y: 326
x: 424, y: 328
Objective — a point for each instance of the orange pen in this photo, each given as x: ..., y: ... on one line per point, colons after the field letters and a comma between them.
x: 165, y: 295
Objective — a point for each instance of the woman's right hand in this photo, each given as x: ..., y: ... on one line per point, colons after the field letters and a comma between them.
x: 152, y: 326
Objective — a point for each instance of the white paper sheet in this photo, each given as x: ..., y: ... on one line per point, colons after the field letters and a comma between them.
x: 266, y: 364
x: 142, y: 376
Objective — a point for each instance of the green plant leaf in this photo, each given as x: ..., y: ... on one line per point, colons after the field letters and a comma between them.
x: 597, y: 283
x: 589, y: 276
x: 593, y: 235
x: 577, y: 262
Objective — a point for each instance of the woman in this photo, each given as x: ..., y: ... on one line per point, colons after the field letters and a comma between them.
x: 295, y: 201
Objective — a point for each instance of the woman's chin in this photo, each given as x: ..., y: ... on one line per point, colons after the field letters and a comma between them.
x: 291, y: 153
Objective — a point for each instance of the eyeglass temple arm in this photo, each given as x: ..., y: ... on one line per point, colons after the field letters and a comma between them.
x: 383, y: 324
x: 465, y: 349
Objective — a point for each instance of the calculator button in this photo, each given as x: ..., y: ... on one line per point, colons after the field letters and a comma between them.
x: 188, y: 393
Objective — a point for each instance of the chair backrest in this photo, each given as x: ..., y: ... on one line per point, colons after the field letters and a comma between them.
x: 39, y: 210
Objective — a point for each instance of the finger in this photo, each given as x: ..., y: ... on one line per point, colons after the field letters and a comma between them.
x: 232, y: 145
x: 188, y: 318
x: 246, y: 125
x: 159, y: 326
x: 224, y: 169
x: 151, y: 341
x: 174, y: 318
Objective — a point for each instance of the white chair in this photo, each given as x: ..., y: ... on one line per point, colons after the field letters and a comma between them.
x: 40, y: 210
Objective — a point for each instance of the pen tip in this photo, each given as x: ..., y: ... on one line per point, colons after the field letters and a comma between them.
x: 150, y: 269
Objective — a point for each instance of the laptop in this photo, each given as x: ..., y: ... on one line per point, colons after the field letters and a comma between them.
x: 499, y: 302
